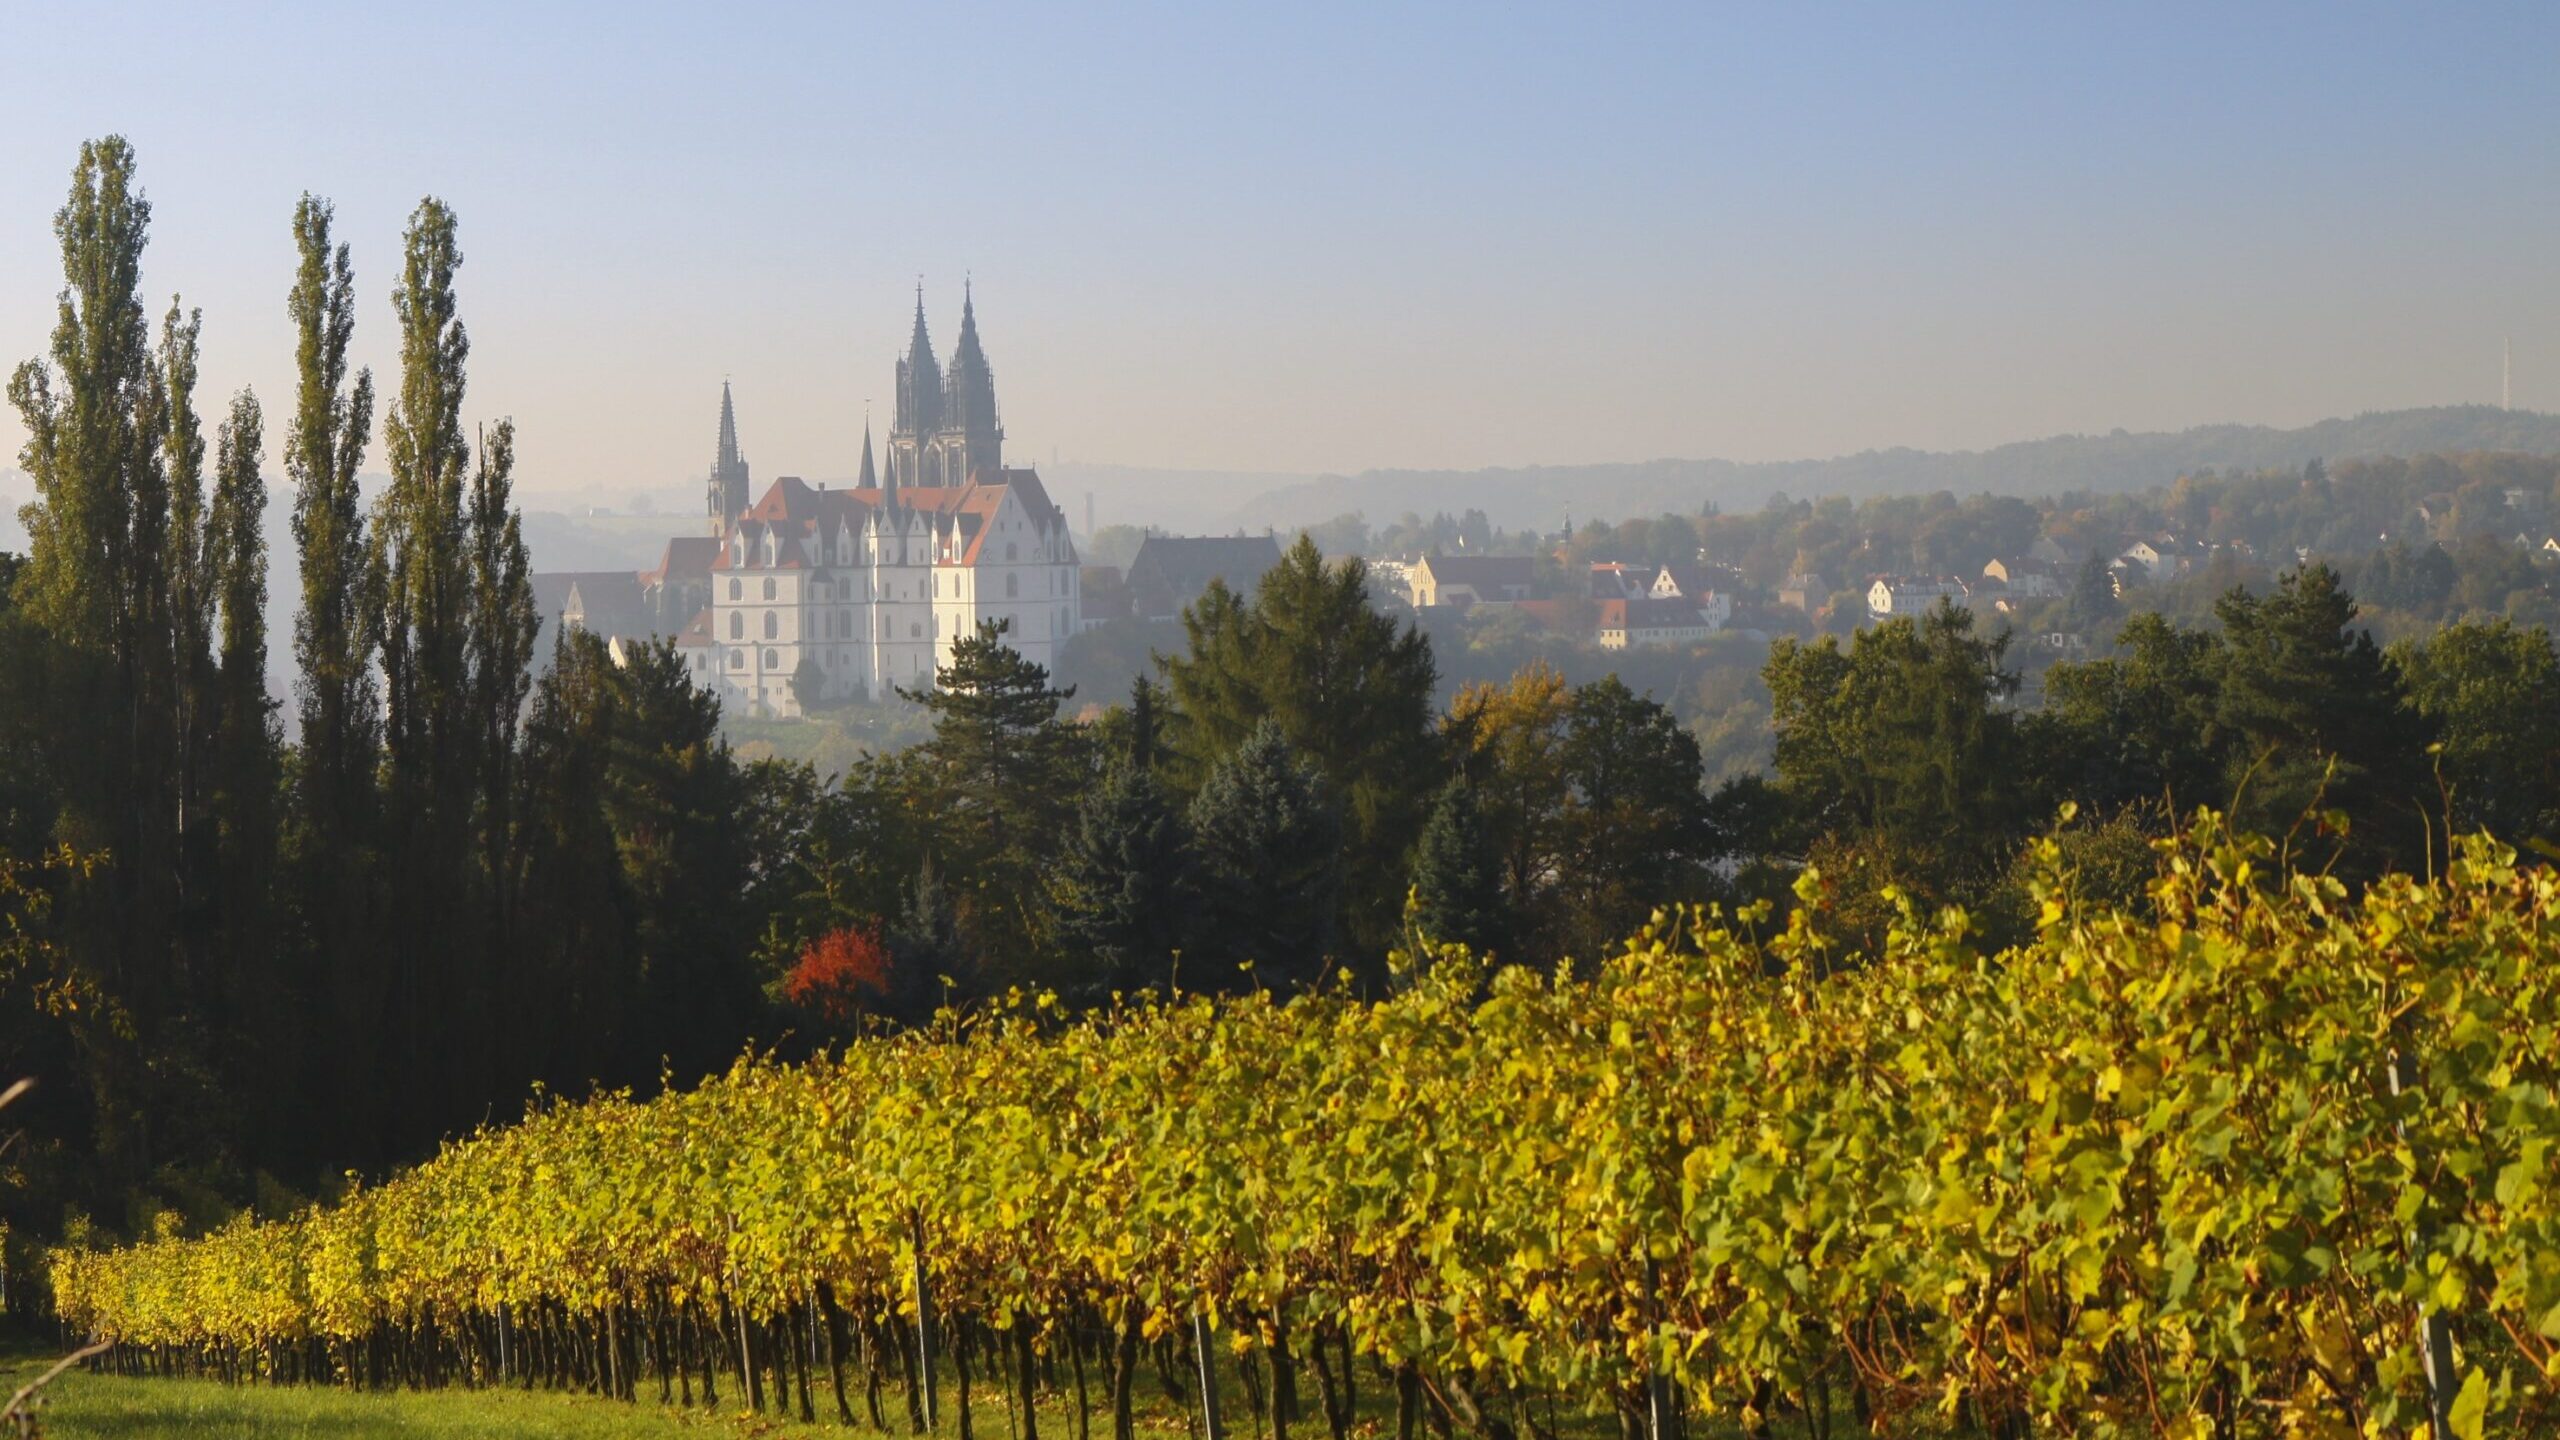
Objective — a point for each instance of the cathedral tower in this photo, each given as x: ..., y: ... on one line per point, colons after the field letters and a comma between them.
x: 947, y: 427
x: 728, y: 487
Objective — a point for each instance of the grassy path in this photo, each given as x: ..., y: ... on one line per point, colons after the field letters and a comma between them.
x: 91, y: 1407
x: 96, y: 1407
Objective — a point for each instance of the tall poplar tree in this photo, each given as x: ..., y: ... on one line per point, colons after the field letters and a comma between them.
x: 331, y: 843
x: 178, y: 656
x: 499, y: 646
x: 438, y: 994
x: 94, y: 421
x: 264, y: 1001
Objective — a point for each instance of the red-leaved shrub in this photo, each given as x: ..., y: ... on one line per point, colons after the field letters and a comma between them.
x: 841, y: 974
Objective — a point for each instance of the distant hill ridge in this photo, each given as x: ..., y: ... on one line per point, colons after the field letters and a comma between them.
x: 1541, y: 495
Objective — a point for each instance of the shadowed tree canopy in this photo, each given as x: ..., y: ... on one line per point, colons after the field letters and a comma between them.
x: 1271, y: 857
x: 1457, y: 878
x: 1350, y: 689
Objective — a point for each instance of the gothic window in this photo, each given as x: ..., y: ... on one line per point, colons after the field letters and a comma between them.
x: 768, y: 589
x: 737, y: 659
x: 770, y: 663
x: 937, y: 627
x: 737, y: 590
x: 1012, y: 582
x: 737, y: 625
x: 770, y: 622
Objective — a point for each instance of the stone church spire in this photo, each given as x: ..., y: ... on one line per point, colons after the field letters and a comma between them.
x: 728, y: 486
x: 870, y: 478
x: 971, y: 390
x: 919, y: 382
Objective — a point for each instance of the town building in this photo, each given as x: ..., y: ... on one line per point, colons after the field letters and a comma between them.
x: 1805, y: 590
x: 1465, y: 580
x: 1636, y: 624
x: 1169, y: 572
x: 1905, y: 595
x: 2025, y: 578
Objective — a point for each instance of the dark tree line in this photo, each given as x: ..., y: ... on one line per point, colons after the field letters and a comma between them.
x: 237, y: 956
x: 1900, y: 754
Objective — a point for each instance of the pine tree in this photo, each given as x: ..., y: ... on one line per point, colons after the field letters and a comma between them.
x: 1457, y: 878
x: 929, y: 958
x: 1350, y: 688
x: 1271, y: 867
x: 1127, y: 899
x: 1000, y: 776
x: 2315, y: 719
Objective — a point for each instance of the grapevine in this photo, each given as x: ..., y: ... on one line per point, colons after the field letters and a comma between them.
x: 2145, y: 1174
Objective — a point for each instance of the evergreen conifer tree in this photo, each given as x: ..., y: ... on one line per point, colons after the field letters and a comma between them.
x: 1271, y: 867
x: 1000, y: 775
x: 1457, y: 878
x: 1350, y: 688
x: 1125, y: 893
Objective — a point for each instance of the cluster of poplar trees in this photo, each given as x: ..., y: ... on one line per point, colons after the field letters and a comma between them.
x: 229, y: 954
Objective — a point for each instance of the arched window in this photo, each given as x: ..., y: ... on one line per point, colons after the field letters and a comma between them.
x: 737, y: 659
x: 770, y: 662
x: 771, y: 623
x: 937, y: 627
x: 737, y: 590
x: 768, y: 589
x: 1012, y: 582
x: 737, y: 625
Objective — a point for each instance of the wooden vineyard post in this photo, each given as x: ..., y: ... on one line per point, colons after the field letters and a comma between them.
x: 1203, y: 1346
x: 924, y: 1332
x: 2435, y: 1342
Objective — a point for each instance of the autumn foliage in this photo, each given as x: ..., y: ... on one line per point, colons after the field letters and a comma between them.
x: 841, y: 973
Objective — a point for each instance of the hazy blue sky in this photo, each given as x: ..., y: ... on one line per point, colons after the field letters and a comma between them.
x: 1304, y: 236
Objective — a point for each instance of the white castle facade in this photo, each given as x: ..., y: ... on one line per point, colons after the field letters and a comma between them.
x: 818, y: 595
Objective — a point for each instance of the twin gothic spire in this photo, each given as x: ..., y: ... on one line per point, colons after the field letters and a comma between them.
x: 946, y: 429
